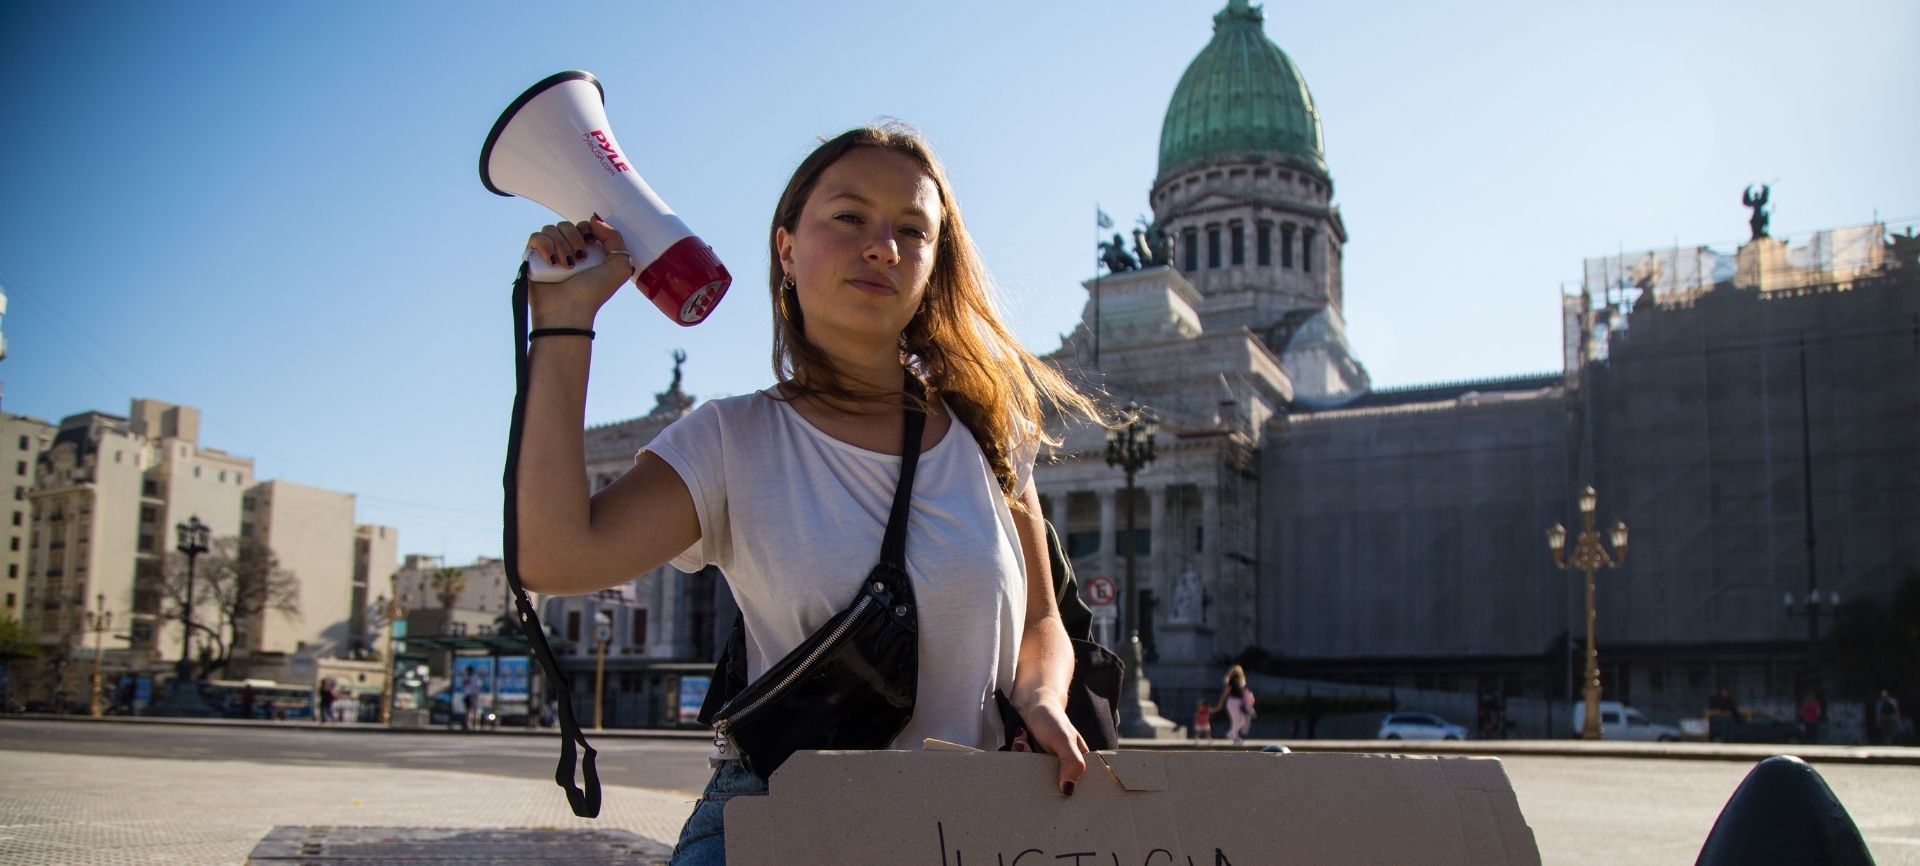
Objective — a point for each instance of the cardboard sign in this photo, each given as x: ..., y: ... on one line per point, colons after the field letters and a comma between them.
x: 1159, y: 808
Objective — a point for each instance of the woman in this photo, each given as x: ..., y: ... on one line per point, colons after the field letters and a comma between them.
x: 787, y: 491
x: 1238, y: 701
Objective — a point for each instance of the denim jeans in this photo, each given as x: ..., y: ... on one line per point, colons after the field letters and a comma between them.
x: 703, y: 841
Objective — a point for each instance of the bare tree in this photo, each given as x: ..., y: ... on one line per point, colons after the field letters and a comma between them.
x: 235, y: 584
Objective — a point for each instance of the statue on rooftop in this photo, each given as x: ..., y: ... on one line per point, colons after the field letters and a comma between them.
x: 1759, y: 204
x: 1152, y: 245
x: 673, y: 402
x: 1114, y: 255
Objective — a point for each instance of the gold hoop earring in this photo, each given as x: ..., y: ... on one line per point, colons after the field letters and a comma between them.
x: 789, y: 298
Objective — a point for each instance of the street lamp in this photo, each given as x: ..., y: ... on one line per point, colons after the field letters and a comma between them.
x: 602, y: 635
x: 184, y: 698
x: 394, y: 607
x: 1130, y: 447
x: 99, y: 620
x: 1813, y: 609
x: 1589, y: 555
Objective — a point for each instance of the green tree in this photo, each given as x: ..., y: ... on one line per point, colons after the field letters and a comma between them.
x: 447, y: 585
x: 1875, y: 645
x: 16, y: 643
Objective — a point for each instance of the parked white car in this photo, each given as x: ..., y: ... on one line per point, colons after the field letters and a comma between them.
x: 1419, y: 726
x: 1621, y: 722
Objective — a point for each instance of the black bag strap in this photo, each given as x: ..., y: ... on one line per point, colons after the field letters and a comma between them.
x: 585, y: 803
x: 893, y: 548
x: 1074, y: 613
x: 730, y: 670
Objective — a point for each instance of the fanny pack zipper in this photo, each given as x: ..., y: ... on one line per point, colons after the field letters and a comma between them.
x: 722, y: 725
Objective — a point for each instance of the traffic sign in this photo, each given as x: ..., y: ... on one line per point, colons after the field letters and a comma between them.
x: 1100, y: 591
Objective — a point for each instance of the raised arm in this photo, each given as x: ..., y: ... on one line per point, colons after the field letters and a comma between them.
x: 571, y: 542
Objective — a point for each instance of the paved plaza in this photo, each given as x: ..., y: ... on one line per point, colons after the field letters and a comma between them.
x: 78, y: 810
x: 83, y: 794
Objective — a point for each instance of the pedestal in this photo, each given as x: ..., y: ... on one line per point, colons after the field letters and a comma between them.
x: 1186, y: 643
x: 1139, y: 716
x: 183, y: 698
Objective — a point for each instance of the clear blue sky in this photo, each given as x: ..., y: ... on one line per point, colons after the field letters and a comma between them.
x: 270, y: 211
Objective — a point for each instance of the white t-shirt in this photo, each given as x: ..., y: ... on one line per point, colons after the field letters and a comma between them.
x: 794, y: 519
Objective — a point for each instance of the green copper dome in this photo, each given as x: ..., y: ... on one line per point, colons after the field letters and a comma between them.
x: 1241, y: 96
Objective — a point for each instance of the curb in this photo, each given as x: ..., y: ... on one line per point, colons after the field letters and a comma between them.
x: 1744, y: 753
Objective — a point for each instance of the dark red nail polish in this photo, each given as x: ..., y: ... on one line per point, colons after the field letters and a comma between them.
x: 1066, y: 788
x: 553, y: 260
x: 569, y: 261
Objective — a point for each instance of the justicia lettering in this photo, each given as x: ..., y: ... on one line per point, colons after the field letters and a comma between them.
x: 1036, y: 856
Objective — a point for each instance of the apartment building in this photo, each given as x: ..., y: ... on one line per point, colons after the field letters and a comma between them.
x: 21, y: 441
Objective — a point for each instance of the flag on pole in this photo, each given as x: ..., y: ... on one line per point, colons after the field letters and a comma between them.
x: 1101, y: 219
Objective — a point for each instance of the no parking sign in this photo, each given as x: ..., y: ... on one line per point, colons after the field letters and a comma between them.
x: 1100, y: 591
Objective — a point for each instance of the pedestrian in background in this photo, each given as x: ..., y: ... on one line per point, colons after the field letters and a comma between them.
x: 1810, y: 716
x: 1886, y: 716
x: 1721, y: 710
x: 1237, y: 700
x: 1202, y: 723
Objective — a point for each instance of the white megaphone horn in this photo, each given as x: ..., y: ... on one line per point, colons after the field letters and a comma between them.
x: 553, y: 145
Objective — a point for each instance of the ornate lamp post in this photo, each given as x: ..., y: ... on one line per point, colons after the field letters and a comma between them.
x: 1813, y: 609
x: 602, y: 635
x: 99, y: 620
x: 1130, y: 448
x: 394, y: 608
x: 1588, y: 556
x: 184, y: 700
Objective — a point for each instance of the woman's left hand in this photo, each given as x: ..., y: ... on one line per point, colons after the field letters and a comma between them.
x: 1048, y: 730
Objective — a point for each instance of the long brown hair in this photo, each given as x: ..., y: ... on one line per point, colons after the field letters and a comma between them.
x: 956, y: 343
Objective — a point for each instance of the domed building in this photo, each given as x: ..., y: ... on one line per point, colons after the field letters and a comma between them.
x: 1370, y: 545
x: 1387, y: 542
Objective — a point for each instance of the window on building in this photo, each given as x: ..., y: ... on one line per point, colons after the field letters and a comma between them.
x: 639, y: 626
x: 23, y: 443
x: 116, y: 457
x: 149, y: 514
x: 246, y: 530
x: 1306, y: 250
x: 1191, y: 240
x: 1263, y: 244
x: 1142, y: 540
x: 1213, y: 246
x: 13, y: 569
x: 18, y: 517
x: 196, y: 472
x: 1286, y: 245
x: 240, y: 478
x: 246, y: 504
x: 20, y: 467
x: 146, y: 542
x: 150, y: 488
x: 1082, y: 544
x: 223, y: 476
x: 1239, y: 248
x: 14, y: 542
x: 573, y: 626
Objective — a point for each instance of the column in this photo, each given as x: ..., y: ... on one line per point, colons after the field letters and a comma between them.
x: 1158, y: 576
x: 1108, y: 568
x: 1054, y: 506
x: 1210, y: 541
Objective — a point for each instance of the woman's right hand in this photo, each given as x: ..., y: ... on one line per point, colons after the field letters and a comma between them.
x: 573, y: 302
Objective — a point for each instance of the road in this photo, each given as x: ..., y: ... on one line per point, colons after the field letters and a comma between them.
x: 1583, y: 810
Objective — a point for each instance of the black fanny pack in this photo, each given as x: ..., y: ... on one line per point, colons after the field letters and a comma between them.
x: 852, y: 683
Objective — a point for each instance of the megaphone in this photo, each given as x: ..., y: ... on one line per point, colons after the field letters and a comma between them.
x: 553, y: 145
